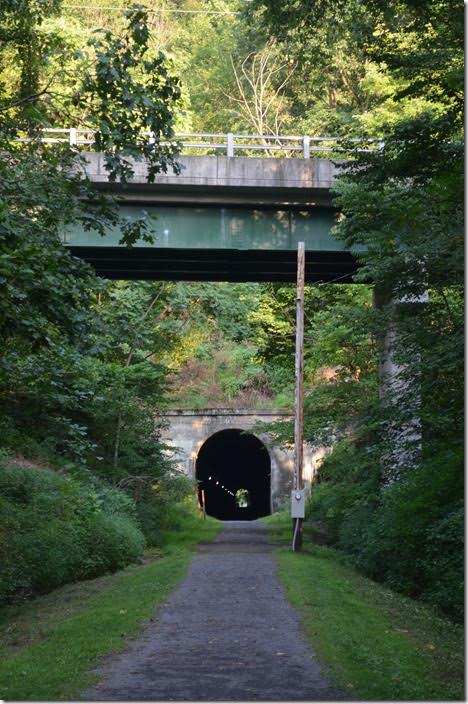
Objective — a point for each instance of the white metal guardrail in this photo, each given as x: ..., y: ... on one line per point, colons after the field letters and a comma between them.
x: 231, y: 144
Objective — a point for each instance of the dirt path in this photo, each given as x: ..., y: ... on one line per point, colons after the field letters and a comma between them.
x: 227, y: 633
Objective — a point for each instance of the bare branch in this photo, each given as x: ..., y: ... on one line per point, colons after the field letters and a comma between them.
x: 29, y: 98
x: 260, y: 101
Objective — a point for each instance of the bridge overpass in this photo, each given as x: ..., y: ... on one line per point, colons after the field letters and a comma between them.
x: 223, y: 218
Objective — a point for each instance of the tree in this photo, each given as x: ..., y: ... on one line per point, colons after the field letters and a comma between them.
x: 402, y: 205
x: 335, y: 81
x: 260, y: 95
x: 54, y: 346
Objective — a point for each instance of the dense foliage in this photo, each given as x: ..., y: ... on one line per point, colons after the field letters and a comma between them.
x: 56, y: 530
x: 86, y: 365
x: 78, y: 390
x: 390, y: 494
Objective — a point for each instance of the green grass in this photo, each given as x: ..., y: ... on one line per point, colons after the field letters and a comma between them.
x: 49, y: 645
x: 373, y: 642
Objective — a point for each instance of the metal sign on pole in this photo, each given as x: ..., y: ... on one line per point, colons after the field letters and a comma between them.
x: 297, y: 498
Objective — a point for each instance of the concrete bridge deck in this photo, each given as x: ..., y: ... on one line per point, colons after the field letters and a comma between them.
x: 222, y: 219
x: 222, y: 179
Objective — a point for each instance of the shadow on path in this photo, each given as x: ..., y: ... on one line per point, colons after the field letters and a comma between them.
x: 227, y: 633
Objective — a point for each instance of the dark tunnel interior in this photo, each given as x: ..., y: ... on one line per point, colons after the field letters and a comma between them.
x: 233, y: 471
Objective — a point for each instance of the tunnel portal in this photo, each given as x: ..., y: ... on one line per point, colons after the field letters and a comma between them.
x: 230, y: 464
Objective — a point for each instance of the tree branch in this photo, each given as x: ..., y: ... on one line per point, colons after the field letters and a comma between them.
x: 30, y: 98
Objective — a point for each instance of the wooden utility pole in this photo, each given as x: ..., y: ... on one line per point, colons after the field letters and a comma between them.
x: 299, y: 394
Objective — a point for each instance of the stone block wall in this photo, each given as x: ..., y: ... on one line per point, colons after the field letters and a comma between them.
x: 188, y: 430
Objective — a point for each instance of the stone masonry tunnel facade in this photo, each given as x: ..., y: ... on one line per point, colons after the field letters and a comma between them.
x: 224, y: 444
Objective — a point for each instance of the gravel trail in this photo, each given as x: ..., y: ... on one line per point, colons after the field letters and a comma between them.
x: 226, y: 634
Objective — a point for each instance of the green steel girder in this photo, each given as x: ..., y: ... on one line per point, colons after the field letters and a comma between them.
x: 213, y: 242
x: 189, y: 227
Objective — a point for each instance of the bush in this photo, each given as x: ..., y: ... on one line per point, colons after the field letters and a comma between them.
x: 54, y: 530
x: 445, y: 564
x: 407, y: 534
x: 166, y: 508
x: 349, y: 482
x: 110, y: 543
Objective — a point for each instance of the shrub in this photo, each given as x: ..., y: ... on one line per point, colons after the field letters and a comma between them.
x: 444, y: 564
x: 407, y: 534
x: 54, y: 530
x: 349, y: 482
x: 166, y: 507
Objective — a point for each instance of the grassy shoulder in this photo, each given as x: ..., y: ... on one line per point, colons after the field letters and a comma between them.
x: 375, y: 643
x: 49, y: 644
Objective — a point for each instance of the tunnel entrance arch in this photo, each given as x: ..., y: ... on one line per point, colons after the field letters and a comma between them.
x: 232, y: 463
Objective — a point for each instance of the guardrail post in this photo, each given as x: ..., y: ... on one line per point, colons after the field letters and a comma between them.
x: 230, y: 144
x: 306, y: 147
x: 73, y: 138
